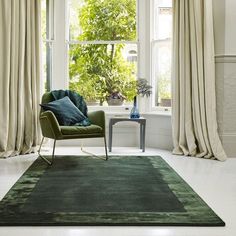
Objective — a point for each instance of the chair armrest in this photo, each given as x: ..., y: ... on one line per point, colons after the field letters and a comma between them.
x: 49, y: 125
x: 97, y: 118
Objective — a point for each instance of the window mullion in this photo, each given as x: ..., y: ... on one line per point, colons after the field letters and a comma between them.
x: 101, y: 42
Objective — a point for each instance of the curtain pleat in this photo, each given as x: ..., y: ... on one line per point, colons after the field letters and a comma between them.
x: 194, y: 121
x: 19, y: 76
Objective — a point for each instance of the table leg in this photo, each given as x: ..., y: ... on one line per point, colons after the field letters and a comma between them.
x: 141, y: 136
x: 110, y: 135
x: 144, y: 133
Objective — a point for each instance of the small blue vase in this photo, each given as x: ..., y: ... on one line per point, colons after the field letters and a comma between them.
x: 134, y: 114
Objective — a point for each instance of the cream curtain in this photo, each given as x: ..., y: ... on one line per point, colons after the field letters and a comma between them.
x: 194, y: 97
x: 19, y: 76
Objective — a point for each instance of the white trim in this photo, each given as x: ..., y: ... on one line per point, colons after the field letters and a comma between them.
x: 51, y: 20
x: 124, y: 109
x: 161, y: 109
x: 160, y: 40
x: 48, y: 40
x: 67, y: 35
x: 60, y: 43
x: 154, y: 42
x: 59, y: 78
x: 101, y: 42
x: 224, y: 58
x: 152, y: 80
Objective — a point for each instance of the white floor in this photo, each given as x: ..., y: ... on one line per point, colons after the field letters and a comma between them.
x: 214, y: 181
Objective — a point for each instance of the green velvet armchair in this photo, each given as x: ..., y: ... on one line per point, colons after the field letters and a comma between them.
x: 51, y: 128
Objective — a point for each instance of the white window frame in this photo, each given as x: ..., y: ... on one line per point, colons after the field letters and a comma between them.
x: 49, y: 40
x: 124, y: 108
x: 60, y: 44
x: 153, y: 42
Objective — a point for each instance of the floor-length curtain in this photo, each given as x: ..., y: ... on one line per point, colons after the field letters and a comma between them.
x: 19, y: 76
x: 194, y: 97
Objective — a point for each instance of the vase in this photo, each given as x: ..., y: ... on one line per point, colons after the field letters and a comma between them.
x: 134, y: 114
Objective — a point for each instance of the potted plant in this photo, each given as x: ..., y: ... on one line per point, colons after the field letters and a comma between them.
x: 115, y: 99
x: 143, y: 88
x: 118, y: 88
x: 164, y: 91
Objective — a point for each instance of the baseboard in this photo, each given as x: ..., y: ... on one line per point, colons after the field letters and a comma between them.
x: 229, y: 144
x: 225, y: 58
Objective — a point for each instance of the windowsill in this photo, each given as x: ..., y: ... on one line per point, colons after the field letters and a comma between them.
x: 111, y: 109
x: 125, y: 111
x: 158, y: 113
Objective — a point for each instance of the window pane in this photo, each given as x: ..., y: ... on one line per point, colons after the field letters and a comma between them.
x: 161, y: 52
x: 44, y: 62
x: 47, y: 19
x: 43, y: 19
x: 102, y: 20
x: 47, y: 37
x: 47, y: 66
x: 162, y: 19
x: 99, y: 71
x: 162, y: 73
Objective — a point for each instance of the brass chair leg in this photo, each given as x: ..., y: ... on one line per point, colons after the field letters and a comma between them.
x: 92, y: 154
x: 53, y: 151
x: 105, y: 143
x: 40, y: 146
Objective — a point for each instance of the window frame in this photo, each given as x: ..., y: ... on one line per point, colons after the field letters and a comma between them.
x: 153, y: 43
x: 126, y: 107
x: 60, y: 59
x: 49, y: 41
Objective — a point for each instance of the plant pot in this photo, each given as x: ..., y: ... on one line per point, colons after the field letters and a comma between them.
x: 165, y: 102
x: 115, y: 101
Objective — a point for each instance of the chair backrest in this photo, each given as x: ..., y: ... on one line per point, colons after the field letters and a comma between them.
x: 47, y: 97
x: 75, y: 98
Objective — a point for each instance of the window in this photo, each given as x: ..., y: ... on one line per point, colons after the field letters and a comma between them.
x: 103, y: 49
x: 102, y: 46
x: 47, y: 37
x: 161, y: 52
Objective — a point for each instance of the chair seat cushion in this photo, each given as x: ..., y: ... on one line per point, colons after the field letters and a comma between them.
x: 76, y: 130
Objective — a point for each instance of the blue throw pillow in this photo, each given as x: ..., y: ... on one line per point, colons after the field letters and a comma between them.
x: 66, y: 112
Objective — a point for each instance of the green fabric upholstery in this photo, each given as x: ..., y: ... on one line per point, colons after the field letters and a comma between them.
x: 47, y: 97
x: 49, y: 125
x: 76, y: 130
x: 51, y: 128
x: 97, y: 118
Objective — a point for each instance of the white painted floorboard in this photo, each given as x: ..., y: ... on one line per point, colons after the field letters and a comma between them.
x: 214, y: 181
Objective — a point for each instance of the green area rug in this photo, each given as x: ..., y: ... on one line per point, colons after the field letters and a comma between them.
x: 125, y: 190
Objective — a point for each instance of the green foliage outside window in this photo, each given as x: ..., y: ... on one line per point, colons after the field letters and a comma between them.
x: 97, y: 70
x: 164, y: 86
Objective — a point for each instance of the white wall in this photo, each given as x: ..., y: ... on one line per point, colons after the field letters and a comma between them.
x: 158, y: 132
x: 225, y: 47
x: 159, y: 127
x: 126, y: 134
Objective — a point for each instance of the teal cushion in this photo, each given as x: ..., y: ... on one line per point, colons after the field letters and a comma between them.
x: 66, y: 112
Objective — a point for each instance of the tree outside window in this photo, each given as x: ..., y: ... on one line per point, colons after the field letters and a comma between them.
x: 103, y: 49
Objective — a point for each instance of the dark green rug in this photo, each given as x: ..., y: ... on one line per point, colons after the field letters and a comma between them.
x: 125, y: 190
